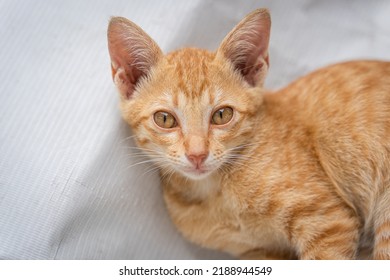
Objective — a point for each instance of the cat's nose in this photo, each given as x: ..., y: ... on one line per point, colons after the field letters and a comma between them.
x: 197, y: 159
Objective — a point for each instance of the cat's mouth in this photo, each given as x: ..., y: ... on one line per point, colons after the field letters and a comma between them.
x: 197, y: 173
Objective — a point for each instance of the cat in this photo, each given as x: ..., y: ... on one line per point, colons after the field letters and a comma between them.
x: 299, y: 173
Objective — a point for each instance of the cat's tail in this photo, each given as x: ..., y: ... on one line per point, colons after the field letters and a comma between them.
x: 382, y: 226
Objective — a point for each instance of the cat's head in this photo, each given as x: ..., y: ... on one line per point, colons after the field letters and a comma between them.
x: 191, y: 110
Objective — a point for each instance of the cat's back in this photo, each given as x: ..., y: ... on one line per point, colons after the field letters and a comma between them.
x: 353, y: 83
x: 345, y: 108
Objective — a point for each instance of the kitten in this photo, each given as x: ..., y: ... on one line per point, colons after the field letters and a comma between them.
x: 303, y: 172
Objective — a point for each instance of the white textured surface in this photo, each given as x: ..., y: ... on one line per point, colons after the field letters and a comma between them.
x: 66, y: 191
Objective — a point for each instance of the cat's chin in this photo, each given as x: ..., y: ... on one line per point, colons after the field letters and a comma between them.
x: 196, y: 174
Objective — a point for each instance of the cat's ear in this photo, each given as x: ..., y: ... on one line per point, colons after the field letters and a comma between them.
x: 133, y: 53
x: 246, y: 46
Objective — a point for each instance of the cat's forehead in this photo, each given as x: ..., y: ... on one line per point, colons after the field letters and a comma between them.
x: 177, y: 99
x: 191, y: 71
x: 186, y: 58
x: 191, y: 79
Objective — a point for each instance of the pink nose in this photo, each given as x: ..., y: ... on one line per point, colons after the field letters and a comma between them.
x: 196, y: 159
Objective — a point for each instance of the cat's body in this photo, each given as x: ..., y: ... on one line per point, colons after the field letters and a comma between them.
x: 299, y: 173
x: 290, y: 195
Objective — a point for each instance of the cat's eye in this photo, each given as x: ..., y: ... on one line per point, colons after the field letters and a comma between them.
x: 165, y: 120
x: 222, y: 116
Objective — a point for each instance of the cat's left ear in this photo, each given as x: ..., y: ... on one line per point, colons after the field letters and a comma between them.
x: 133, y: 53
x: 246, y: 47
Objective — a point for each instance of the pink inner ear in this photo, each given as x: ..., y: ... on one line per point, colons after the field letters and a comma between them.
x: 246, y: 46
x: 254, y: 56
x: 126, y: 74
x: 132, y: 54
x: 124, y: 84
x: 251, y: 72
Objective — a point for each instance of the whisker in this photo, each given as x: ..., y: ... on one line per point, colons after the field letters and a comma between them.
x: 161, y: 166
x: 240, y: 164
x: 141, y: 162
x: 155, y: 168
x: 141, y: 149
x: 167, y: 174
x: 127, y: 138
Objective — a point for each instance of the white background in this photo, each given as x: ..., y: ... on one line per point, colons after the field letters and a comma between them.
x: 66, y: 188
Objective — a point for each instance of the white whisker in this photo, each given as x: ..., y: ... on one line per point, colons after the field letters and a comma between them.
x: 126, y: 139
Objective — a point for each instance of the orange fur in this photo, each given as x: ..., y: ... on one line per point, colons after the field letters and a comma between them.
x: 298, y: 173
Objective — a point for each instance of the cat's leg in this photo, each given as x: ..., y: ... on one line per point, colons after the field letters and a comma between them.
x: 326, y: 237
x: 262, y: 254
x: 382, y: 227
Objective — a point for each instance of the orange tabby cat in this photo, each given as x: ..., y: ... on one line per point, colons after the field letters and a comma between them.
x: 303, y: 172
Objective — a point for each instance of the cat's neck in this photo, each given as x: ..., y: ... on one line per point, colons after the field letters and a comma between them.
x: 194, y: 190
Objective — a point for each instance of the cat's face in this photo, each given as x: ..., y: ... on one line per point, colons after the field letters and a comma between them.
x: 192, y: 111
x: 193, y: 115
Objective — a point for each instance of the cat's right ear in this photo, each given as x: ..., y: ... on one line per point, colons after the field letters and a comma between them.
x: 133, y: 53
x: 246, y: 47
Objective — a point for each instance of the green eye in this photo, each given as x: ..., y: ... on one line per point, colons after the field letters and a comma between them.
x: 222, y: 116
x: 165, y: 119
